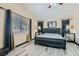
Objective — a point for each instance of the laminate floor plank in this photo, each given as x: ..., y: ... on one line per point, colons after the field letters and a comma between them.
x: 30, y: 49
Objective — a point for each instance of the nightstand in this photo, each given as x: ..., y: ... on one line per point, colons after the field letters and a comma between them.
x: 37, y: 33
x: 71, y: 36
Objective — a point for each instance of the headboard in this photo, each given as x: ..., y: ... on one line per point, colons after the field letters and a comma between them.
x: 52, y: 30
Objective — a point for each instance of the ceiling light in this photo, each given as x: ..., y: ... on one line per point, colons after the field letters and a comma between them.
x: 54, y: 4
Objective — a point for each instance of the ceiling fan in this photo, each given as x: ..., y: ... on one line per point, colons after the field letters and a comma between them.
x: 54, y: 4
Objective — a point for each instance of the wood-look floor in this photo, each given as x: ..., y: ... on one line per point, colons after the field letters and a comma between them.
x: 29, y: 49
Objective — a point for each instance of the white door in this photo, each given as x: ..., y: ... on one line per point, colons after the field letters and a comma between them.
x: 19, y: 29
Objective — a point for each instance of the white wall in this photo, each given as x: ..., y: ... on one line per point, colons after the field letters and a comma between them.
x: 75, y: 23
x: 2, y: 22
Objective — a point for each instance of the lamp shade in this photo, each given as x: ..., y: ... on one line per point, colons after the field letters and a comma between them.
x: 67, y: 27
x: 39, y: 27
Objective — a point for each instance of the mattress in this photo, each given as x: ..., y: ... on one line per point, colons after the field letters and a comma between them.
x: 51, y: 35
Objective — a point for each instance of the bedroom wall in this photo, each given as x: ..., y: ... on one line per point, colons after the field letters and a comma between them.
x: 1, y: 28
x: 75, y: 23
x: 18, y: 8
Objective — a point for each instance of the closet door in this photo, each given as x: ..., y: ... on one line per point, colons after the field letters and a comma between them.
x: 19, y: 28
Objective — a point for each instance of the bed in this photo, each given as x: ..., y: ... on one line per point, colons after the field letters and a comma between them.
x: 51, y: 37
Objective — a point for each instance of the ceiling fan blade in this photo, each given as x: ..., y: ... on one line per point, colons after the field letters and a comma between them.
x: 55, y: 5
x: 49, y: 6
x: 60, y: 3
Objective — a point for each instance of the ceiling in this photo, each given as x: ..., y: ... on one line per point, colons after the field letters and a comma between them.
x: 42, y: 12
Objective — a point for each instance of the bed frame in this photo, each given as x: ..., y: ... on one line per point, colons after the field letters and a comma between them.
x: 51, y: 42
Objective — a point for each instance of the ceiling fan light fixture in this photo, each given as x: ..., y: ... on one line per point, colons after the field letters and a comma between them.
x: 60, y: 3
x: 50, y: 6
x: 54, y: 4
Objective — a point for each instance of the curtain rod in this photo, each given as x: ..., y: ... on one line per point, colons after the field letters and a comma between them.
x: 13, y: 12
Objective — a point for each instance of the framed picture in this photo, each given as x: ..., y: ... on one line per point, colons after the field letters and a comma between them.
x: 52, y: 24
